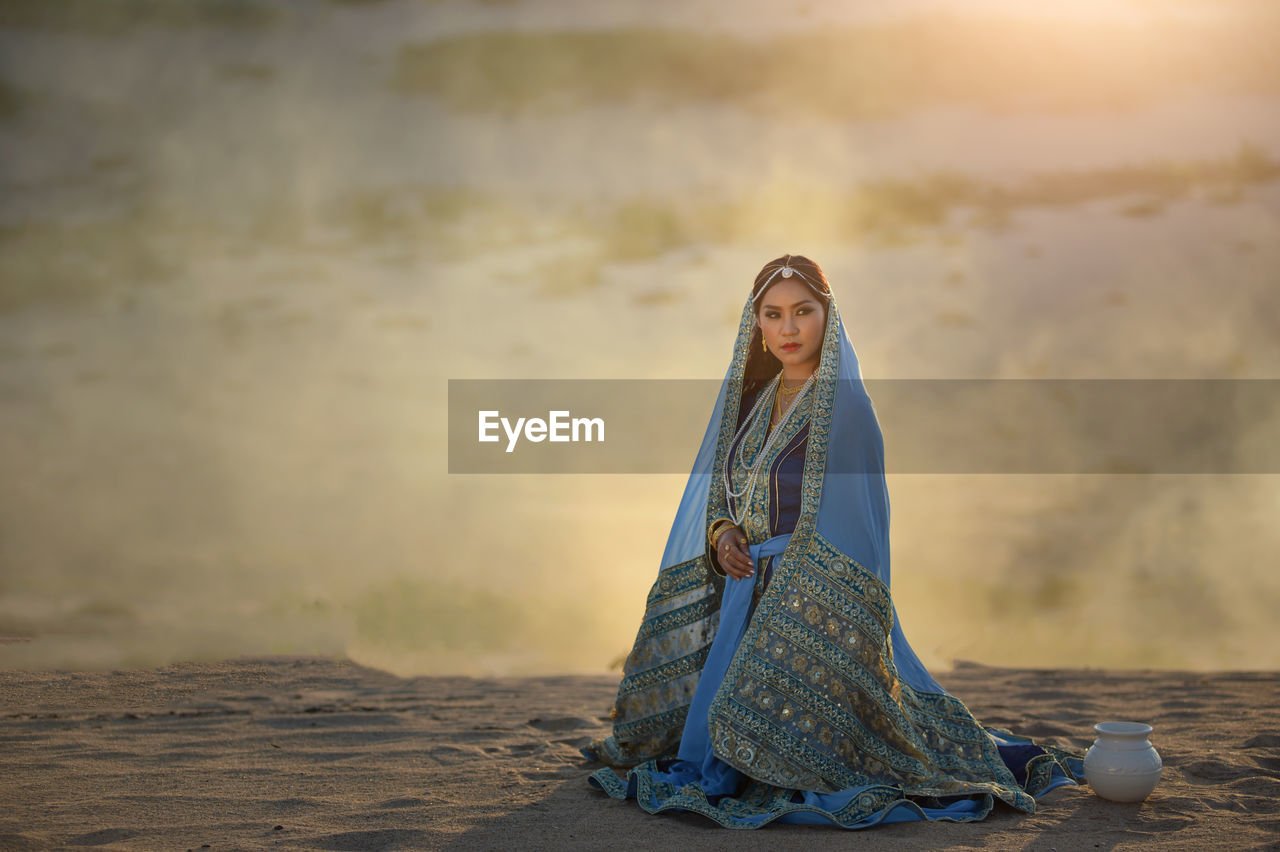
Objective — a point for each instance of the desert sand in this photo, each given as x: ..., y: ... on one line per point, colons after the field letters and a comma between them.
x: 319, y: 753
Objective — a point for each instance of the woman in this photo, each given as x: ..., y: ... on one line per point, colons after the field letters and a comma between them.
x: 770, y: 679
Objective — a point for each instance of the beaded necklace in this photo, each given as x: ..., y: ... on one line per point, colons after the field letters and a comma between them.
x: 752, y: 420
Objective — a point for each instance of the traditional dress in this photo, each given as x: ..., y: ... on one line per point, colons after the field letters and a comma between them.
x: 793, y: 695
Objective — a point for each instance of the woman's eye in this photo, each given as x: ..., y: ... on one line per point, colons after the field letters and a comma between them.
x: 773, y: 315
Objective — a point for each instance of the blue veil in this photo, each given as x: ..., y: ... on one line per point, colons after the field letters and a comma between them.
x: 822, y: 694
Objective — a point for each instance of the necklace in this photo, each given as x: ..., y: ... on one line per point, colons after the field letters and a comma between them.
x: 792, y: 391
x: 746, y: 425
x: 779, y: 410
x: 753, y: 473
x: 778, y: 402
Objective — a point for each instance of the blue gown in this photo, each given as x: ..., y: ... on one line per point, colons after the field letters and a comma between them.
x: 700, y: 782
x: 670, y: 678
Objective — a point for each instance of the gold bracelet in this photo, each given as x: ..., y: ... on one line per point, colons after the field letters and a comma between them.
x: 718, y: 529
x: 713, y: 533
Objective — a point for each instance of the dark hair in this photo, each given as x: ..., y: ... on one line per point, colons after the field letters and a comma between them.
x: 763, y: 366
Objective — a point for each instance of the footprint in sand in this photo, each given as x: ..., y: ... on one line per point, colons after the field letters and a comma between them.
x: 1161, y: 826
x: 1258, y: 793
x: 449, y: 755
x: 1213, y: 772
x: 561, y: 723
x: 403, y: 802
x: 102, y: 837
x: 1268, y: 765
x: 1272, y: 825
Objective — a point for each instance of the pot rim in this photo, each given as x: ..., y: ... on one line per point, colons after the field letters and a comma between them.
x: 1122, y: 728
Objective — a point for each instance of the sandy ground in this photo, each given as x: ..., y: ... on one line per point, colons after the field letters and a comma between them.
x: 313, y: 753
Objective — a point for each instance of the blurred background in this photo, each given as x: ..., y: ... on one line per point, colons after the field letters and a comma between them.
x: 244, y: 244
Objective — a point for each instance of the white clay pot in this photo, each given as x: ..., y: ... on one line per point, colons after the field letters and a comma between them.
x: 1122, y: 765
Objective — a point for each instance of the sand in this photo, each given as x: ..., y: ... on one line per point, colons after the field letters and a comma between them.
x: 316, y: 753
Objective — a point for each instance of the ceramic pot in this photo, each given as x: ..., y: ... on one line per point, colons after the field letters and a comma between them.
x: 1122, y: 765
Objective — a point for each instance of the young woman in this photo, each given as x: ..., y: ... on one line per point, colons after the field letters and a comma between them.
x: 770, y: 679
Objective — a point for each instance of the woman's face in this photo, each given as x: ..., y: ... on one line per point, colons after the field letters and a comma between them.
x: 793, y: 322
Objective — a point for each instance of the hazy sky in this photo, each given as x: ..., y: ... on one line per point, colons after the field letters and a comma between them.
x: 243, y: 251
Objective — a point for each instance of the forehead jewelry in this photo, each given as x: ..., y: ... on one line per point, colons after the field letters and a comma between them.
x: 786, y: 271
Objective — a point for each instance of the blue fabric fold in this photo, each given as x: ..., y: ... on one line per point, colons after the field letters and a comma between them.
x: 716, y: 777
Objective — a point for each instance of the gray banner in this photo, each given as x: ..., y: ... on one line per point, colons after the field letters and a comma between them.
x: 929, y: 426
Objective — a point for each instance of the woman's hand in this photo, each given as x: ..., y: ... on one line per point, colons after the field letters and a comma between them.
x: 733, y: 555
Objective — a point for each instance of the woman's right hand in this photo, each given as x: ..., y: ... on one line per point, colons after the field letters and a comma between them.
x: 733, y: 554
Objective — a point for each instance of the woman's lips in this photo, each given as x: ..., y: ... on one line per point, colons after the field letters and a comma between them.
x: 790, y: 347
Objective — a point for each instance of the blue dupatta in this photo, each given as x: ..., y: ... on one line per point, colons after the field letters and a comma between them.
x: 816, y: 708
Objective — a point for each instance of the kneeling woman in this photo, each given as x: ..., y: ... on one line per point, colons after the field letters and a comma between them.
x: 770, y: 679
